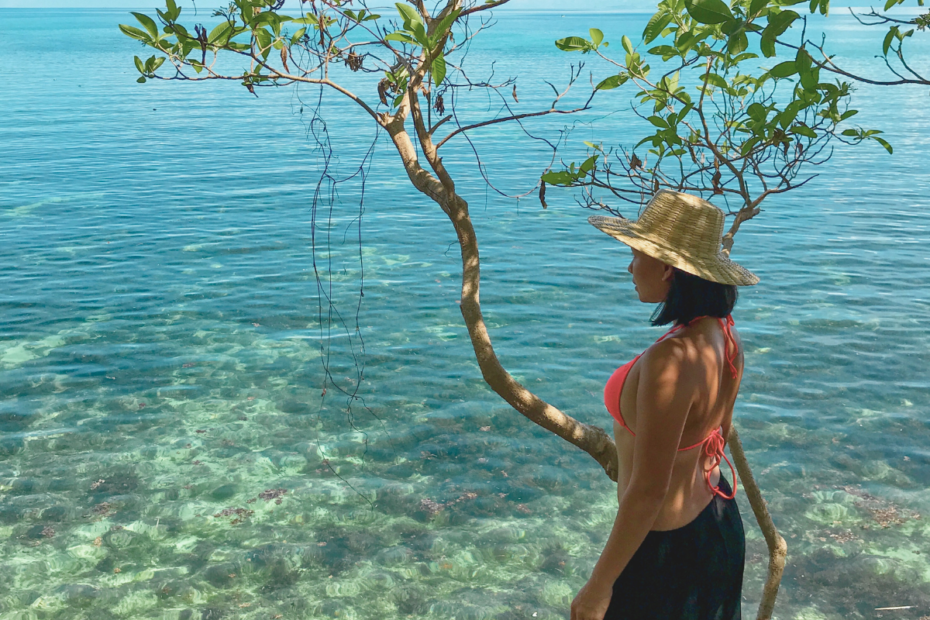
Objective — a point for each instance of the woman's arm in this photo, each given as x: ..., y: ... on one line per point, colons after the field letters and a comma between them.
x: 635, y: 518
x: 664, y: 396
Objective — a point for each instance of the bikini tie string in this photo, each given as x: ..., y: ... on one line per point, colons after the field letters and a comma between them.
x: 713, y: 448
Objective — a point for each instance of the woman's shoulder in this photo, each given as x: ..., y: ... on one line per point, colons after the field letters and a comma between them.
x: 671, y: 354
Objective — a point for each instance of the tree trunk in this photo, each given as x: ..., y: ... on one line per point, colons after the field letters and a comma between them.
x: 593, y: 440
x: 778, y: 549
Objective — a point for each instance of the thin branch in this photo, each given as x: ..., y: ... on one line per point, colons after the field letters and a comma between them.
x: 509, y: 118
x: 484, y: 7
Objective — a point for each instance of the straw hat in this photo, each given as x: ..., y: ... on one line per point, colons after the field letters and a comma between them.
x: 680, y: 230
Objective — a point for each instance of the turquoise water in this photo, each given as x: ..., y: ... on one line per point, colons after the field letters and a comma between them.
x: 166, y: 450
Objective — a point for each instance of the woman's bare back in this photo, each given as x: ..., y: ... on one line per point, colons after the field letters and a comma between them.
x: 688, y: 493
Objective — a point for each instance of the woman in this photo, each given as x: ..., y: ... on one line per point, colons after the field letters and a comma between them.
x: 677, y: 547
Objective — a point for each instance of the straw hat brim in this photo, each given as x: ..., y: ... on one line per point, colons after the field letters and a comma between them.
x: 718, y: 268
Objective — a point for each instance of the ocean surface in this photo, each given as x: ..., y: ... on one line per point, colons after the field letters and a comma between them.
x: 202, y: 417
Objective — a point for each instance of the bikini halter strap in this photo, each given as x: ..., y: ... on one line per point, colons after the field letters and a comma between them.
x: 726, y: 325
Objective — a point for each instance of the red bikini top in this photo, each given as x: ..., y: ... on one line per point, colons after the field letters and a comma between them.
x: 713, y: 443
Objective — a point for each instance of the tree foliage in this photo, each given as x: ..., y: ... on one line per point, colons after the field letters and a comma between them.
x: 742, y: 104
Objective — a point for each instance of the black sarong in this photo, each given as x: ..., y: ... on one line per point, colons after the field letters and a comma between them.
x: 694, y: 572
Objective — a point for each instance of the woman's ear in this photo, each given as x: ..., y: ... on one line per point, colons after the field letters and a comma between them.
x: 668, y: 274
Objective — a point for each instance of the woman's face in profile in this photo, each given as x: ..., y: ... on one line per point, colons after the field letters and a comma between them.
x: 651, y: 276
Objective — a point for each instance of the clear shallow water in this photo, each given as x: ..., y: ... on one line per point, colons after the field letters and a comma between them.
x: 163, y: 430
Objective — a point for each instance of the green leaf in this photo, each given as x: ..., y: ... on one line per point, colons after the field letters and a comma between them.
x: 410, y: 14
x: 757, y: 112
x: 804, y: 130
x: 627, y: 44
x: 803, y: 61
x: 708, y: 11
x: 664, y: 51
x: 589, y: 163
x: 573, y: 44
x: 596, y: 36
x: 683, y: 112
x: 848, y: 114
x: 789, y: 114
x: 749, y: 144
x: 852, y: 133
x: 780, y: 22
x: 810, y: 79
x: 401, y: 35
x: 557, y: 178
x: 139, y: 64
x: 407, y: 12
x: 738, y: 43
x: 886, y: 44
x: 890, y: 4
x: 419, y: 33
x: 439, y: 69
x: 658, y: 121
x: 612, y: 82
x: 742, y: 57
x: 149, y: 24
x: 141, y: 80
x: 264, y: 41
x: 135, y: 33
x: 767, y: 44
x: 715, y: 80
x: 656, y: 24
x: 784, y: 69
x: 884, y: 144
x: 218, y: 32
x: 447, y: 21
x: 298, y: 35
x: 756, y: 7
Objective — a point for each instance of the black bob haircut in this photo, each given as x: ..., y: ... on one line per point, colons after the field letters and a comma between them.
x: 691, y: 296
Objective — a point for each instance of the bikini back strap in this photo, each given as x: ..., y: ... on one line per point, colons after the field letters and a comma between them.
x: 729, y: 338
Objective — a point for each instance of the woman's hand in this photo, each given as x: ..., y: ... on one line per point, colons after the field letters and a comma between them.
x: 592, y: 601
